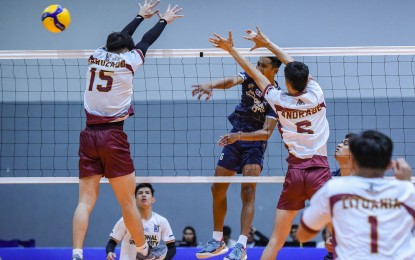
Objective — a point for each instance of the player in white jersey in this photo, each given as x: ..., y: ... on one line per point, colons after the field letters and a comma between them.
x: 104, y: 149
x: 304, y: 128
x: 156, y: 228
x: 372, y: 217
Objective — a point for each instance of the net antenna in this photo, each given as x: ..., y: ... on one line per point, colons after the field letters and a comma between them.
x: 173, y: 135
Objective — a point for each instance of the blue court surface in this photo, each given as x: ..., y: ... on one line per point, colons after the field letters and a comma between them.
x: 182, y: 253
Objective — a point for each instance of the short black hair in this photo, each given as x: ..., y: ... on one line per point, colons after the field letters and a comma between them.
x: 349, y: 135
x: 297, y: 74
x: 294, y: 226
x: 118, y: 40
x: 371, y: 149
x: 144, y: 185
x: 275, y: 62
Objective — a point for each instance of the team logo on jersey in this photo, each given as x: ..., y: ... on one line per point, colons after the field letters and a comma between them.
x: 156, y: 228
x: 258, y: 93
x: 251, y: 85
x: 300, y: 103
x: 371, y: 190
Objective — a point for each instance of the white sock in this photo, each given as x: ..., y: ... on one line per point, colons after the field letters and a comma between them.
x: 143, y: 249
x: 242, y: 240
x: 78, y: 251
x: 217, y: 235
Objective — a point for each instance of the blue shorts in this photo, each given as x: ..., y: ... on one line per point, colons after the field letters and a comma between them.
x: 235, y: 156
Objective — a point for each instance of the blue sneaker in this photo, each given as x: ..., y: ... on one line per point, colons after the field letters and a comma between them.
x: 238, y: 253
x: 154, y: 253
x: 211, y: 249
x: 77, y: 257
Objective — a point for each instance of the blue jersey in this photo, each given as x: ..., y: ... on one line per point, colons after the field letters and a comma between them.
x: 336, y: 173
x: 250, y: 114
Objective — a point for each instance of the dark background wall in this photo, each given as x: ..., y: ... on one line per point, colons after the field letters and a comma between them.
x: 41, y: 110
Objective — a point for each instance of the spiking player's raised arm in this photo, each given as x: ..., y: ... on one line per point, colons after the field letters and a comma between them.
x: 302, y: 120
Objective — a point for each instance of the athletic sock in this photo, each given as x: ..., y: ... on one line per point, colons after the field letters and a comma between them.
x: 242, y: 240
x: 78, y: 251
x: 217, y: 235
x: 143, y: 249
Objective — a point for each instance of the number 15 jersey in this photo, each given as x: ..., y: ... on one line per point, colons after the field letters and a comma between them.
x: 302, y: 120
x: 109, y: 85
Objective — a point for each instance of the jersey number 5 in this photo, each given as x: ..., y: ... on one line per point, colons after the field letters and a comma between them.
x: 301, y: 127
x: 103, y: 75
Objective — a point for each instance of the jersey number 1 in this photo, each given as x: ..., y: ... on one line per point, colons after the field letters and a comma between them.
x: 373, y: 221
x: 103, y: 75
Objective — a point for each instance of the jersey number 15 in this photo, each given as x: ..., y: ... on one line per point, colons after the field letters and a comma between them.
x: 103, y: 75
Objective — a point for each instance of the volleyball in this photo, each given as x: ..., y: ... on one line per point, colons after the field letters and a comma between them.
x: 55, y: 18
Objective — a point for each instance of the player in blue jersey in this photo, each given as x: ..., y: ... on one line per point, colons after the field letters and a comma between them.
x: 253, y: 122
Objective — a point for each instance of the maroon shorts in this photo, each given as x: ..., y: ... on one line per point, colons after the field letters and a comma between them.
x: 300, y: 185
x: 104, y: 150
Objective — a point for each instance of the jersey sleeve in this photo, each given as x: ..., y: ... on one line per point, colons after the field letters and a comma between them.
x: 317, y: 215
x: 119, y: 230
x: 244, y: 76
x: 166, y: 232
x: 273, y: 96
x: 135, y: 58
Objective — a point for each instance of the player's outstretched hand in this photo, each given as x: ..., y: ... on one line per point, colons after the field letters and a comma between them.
x: 401, y: 169
x: 259, y: 38
x: 201, y: 90
x: 111, y: 256
x: 222, y: 43
x: 229, y: 139
x: 146, y: 10
x: 171, y: 14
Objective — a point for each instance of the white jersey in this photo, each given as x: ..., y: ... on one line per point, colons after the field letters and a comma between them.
x: 156, y: 228
x: 109, y: 84
x: 302, y: 120
x: 372, y: 218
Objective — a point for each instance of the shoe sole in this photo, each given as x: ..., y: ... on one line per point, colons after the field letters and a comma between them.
x: 209, y: 255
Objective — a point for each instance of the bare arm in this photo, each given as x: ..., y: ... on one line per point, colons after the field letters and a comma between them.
x: 227, y: 45
x: 207, y: 88
x: 260, y: 135
x: 261, y: 40
x: 305, y: 234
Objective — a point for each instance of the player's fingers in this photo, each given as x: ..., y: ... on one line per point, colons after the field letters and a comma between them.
x: 178, y: 10
x: 154, y: 12
x: 156, y: 3
x: 258, y: 30
x: 174, y: 8
x: 159, y: 15
x: 141, y: 7
x: 178, y: 16
x: 168, y: 7
x: 253, y: 48
x: 200, y: 95
x: 209, y: 95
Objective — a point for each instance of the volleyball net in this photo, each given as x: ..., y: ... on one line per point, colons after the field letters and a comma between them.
x: 173, y: 135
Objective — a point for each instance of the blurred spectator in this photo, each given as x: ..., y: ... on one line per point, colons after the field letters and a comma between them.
x: 227, y: 237
x: 324, y: 235
x: 252, y: 242
x: 189, y: 238
x: 294, y: 241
